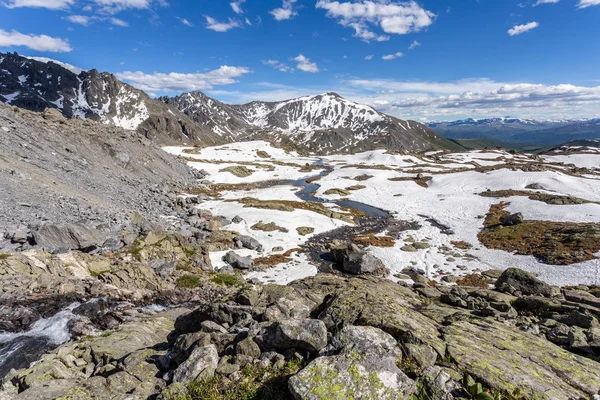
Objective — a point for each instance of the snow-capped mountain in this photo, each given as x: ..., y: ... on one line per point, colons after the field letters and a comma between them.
x: 519, y: 130
x: 321, y: 124
x: 37, y: 84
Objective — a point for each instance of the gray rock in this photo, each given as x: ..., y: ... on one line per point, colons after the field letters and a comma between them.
x: 345, y: 377
x: 305, y: 334
x: 423, y: 355
x: 237, y: 261
x: 366, y: 340
x: 248, y: 347
x: 60, y: 238
x: 511, y: 220
x: 237, y: 219
x: 162, y: 268
x: 360, y: 263
x: 212, y: 327
x: 248, y: 242
x: 201, y: 364
x: 515, y: 281
x: 438, y: 383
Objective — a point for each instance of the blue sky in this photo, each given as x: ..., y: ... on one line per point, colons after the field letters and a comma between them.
x: 426, y: 60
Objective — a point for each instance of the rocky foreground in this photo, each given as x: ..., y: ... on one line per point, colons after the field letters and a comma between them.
x: 327, y: 337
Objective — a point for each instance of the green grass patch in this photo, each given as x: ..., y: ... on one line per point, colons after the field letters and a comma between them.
x: 256, y: 384
x: 188, y: 282
x: 227, y: 280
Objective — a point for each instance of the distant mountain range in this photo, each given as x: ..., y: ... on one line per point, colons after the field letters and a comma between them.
x: 518, y: 130
x: 322, y: 124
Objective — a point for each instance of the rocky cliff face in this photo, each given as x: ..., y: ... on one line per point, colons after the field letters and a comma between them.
x: 37, y: 85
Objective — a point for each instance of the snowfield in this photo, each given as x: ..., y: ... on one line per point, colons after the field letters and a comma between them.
x: 451, y: 198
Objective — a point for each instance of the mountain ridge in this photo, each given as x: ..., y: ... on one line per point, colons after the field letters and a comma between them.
x: 321, y: 124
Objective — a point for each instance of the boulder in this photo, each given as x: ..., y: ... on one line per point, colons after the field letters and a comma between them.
x: 237, y: 261
x: 352, y: 260
x: 511, y: 220
x: 366, y: 340
x: 344, y: 377
x: 162, y: 268
x: 201, y: 364
x: 507, y: 358
x: 248, y: 242
x: 516, y: 281
x: 305, y: 334
x: 60, y: 238
x: 53, y: 115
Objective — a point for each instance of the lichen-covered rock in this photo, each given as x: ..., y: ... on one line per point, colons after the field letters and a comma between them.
x: 507, y: 358
x: 366, y: 340
x: 517, y: 281
x: 349, y: 376
x: 201, y: 364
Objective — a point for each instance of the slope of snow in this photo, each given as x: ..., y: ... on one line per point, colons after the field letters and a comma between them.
x: 72, y: 68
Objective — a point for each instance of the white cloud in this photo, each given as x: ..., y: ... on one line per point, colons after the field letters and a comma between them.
x: 185, y: 22
x: 51, y: 4
x: 414, y: 45
x: 539, y: 2
x: 278, y: 65
x: 477, y: 98
x: 369, y: 57
x: 217, y: 26
x: 587, y: 3
x: 118, y: 22
x: 85, y: 20
x: 236, y: 6
x: 177, y: 82
x: 388, y: 57
x: 392, y: 17
x: 520, y: 29
x: 304, y: 64
x: 285, y: 12
x: 114, y: 6
x: 79, y: 19
x: 34, y: 42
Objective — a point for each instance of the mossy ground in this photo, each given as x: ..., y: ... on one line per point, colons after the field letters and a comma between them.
x: 256, y: 384
x: 188, y: 282
x: 556, y: 243
x: 376, y: 241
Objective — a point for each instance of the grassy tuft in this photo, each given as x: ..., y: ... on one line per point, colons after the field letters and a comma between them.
x: 188, y: 282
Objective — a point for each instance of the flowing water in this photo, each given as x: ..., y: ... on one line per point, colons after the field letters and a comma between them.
x: 18, y: 350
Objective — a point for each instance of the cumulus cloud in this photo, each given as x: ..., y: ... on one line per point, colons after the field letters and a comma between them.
x: 587, y: 3
x: 79, y: 19
x: 539, y: 2
x: 285, y: 12
x: 217, y: 26
x: 304, y: 64
x: 414, y: 45
x: 478, y: 97
x: 236, y: 6
x: 520, y: 29
x: 391, y: 17
x: 178, y: 82
x: 388, y: 57
x: 278, y: 65
x: 51, y: 4
x: 34, y: 42
x: 185, y: 22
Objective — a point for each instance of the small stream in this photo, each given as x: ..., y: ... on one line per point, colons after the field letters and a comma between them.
x: 309, y: 188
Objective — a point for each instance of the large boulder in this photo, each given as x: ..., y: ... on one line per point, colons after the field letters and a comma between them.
x: 248, y: 242
x: 352, y: 260
x: 512, y: 219
x: 304, y: 334
x: 518, y: 282
x: 60, y: 238
x: 237, y: 261
x: 366, y: 368
x: 507, y: 358
x: 201, y: 364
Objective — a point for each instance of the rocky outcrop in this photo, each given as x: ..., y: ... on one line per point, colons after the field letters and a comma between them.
x: 333, y: 337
